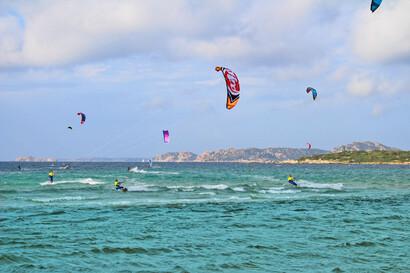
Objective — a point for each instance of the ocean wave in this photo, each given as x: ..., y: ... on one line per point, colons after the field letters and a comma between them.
x: 215, y: 187
x: 12, y: 259
x: 148, y: 171
x: 137, y: 170
x: 207, y: 193
x: 181, y: 187
x: 142, y: 187
x: 312, y: 185
x: 132, y: 186
x: 238, y: 198
x: 239, y: 189
x: 64, y: 198
x: 278, y: 190
x: 131, y: 250
x: 177, y: 202
x: 194, y: 187
x: 260, y: 177
x: 88, y: 181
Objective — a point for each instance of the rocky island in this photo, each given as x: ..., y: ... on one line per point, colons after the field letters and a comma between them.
x: 366, y: 152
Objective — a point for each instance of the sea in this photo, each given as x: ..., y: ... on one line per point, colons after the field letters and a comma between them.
x: 204, y: 217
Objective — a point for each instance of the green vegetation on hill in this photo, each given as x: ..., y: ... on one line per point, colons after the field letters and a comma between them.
x: 362, y: 157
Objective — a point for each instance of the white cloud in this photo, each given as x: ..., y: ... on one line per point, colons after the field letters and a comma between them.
x: 361, y: 85
x: 300, y: 72
x: 339, y: 73
x: 58, y: 33
x: 383, y: 36
x: 89, y: 71
x: 64, y: 32
x: 10, y: 39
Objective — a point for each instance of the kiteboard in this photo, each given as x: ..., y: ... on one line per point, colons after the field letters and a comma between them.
x: 123, y: 189
x: 293, y: 183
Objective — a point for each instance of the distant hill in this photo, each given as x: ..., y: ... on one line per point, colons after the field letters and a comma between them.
x: 105, y: 159
x: 363, y: 146
x: 176, y: 157
x: 360, y: 157
x: 241, y: 155
x: 343, y: 153
x: 35, y: 159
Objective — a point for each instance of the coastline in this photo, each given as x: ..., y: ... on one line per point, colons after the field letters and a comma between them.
x: 295, y: 162
x: 313, y: 162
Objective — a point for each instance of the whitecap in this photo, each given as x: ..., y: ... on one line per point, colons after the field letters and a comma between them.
x: 141, y: 187
x: 145, y: 171
x: 278, y: 190
x: 214, y: 187
x: 240, y: 189
x: 312, y: 185
x: 208, y: 193
x: 179, y: 187
x: 205, y: 186
x: 136, y: 170
x: 64, y: 198
x: 88, y: 181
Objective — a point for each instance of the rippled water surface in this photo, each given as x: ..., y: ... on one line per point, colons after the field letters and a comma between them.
x: 204, y: 218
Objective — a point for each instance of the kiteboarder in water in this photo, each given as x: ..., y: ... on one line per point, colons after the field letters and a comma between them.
x: 119, y: 185
x: 291, y: 180
x: 51, y: 176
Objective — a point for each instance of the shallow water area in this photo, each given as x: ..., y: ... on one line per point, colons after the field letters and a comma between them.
x: 204, y: 218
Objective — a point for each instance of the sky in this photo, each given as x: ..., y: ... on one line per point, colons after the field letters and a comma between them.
x: 136, y: 68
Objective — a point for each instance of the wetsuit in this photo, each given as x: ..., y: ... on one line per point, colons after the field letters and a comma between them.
x: 291, y: 180
x: 118, y: 185
x: 51, y: 176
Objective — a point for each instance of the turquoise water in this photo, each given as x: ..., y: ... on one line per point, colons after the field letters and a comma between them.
x: 205, y: 218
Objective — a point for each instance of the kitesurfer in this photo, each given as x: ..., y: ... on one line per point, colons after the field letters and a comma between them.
x: 51, y: 176
x: 118, y: 185
x: 19, y: 167
x: 291, y: 180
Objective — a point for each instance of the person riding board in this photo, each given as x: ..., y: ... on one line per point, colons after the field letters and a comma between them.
x: 119, y: 185
x: 51, y: 176
x: 291, y: 180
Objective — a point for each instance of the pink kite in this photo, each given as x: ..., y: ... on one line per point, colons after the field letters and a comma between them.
x: 166, y: 136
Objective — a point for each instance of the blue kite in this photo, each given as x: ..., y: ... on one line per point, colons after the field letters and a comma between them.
x: 375, y: 4
x: 313, y: 90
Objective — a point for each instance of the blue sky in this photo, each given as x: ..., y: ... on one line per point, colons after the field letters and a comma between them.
x: 138, y: 67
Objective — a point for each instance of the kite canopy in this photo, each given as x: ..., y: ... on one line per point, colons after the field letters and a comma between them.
x: 309, y: 146
x: 375, y: 4
x: 69, y: 127
x: 232, y: 86
x: 165, y: 134
x: 314, y: 92
x: 82, y: 117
